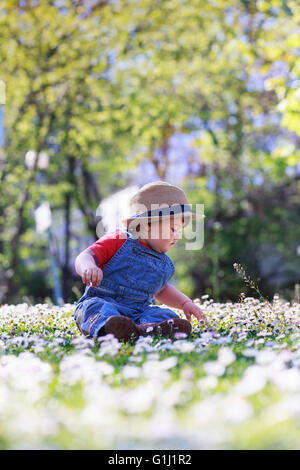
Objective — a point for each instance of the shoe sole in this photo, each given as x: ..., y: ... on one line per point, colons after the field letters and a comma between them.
x: 172, y: 326
x: 122, y: 328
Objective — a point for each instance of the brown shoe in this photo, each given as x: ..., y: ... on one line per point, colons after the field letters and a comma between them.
x: 166, y: 328
x: 122, y: 328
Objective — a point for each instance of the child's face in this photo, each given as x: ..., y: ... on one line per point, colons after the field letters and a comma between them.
x: 164, y: 234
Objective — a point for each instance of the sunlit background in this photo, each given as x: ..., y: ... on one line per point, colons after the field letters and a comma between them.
x: 102, y: 97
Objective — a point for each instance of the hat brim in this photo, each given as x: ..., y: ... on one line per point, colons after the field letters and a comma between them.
x: 185, y: 215
x: 165, y: 212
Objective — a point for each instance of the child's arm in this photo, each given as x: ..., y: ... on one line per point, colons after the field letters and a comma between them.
x: 172, y: 297
x: 87, y: 269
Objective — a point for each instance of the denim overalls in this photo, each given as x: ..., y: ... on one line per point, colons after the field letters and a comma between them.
x: 130, y: 280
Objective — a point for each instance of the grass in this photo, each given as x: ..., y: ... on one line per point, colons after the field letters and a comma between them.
x: 233, y: 385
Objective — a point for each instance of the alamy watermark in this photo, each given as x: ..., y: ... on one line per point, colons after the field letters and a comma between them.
x: 2, y: 92
x: 161, y: 222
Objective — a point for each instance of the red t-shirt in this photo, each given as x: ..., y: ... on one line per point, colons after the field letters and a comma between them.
x: 105, y: 248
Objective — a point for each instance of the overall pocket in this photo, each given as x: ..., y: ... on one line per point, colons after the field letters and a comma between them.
x: 145, y: 272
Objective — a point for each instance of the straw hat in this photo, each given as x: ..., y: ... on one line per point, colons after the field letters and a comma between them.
x: 158, y: 200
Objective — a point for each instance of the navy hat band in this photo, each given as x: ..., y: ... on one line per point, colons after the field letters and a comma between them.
x: 166, y: 211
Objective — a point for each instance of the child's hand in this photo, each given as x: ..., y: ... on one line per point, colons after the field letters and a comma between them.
x: 189, y: 308
x: 93, y: 275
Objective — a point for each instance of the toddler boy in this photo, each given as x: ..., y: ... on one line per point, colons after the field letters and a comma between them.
x: 125, y: 269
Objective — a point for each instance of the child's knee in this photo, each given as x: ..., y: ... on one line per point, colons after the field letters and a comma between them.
x: 86, y: 315
x: 157, y: 314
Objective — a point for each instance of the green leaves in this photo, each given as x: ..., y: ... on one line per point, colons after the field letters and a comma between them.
x: 102, y: 88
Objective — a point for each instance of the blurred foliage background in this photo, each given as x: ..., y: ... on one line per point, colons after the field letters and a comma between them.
x: 203, y: 94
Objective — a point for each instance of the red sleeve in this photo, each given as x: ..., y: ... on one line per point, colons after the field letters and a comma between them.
x: 105, y: 248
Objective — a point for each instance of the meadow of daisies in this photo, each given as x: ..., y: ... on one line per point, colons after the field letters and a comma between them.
x: 233, y: 385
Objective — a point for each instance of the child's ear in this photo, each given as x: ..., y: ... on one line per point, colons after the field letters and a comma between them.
x: 148, y: 228
x: 144, y: 230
